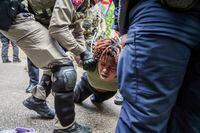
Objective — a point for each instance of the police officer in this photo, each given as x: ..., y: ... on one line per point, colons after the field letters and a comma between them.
x: 161, y: 37
x: 94, y: 25
x: 34, y: 39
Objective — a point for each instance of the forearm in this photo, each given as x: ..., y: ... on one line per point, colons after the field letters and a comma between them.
x: 67, y: 40
x: 78, y: 35
x: 62, y: 17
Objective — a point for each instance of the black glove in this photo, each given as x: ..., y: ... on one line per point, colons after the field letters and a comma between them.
x: 88, y: 62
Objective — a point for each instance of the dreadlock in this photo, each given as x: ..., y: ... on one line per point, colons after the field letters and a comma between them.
x: 107, y: 47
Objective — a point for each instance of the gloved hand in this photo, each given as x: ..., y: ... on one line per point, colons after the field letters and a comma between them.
x: 88, y: 62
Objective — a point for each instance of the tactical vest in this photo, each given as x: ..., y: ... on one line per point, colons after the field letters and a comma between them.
x: 91, y: 22
x: 81, y: 13
x: 91, y: 27
x: 42, y: 9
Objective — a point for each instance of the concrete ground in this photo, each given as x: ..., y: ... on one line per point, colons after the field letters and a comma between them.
x: 13, y: 81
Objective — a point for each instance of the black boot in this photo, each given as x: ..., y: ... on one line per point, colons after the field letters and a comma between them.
x: 16, y: 60
x: 39, y: 106
x: 95, y: 99
x: 6, y: 61
x: 75, y: 128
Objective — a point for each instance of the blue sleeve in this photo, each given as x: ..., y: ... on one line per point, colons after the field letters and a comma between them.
x: 116, y: 11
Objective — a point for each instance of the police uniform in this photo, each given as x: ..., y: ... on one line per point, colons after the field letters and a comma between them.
x: 152, y: 67
x: 35, y: 40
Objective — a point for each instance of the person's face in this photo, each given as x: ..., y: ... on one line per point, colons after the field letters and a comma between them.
x: 107, y: 69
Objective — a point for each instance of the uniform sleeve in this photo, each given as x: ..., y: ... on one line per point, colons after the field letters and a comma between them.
x: 116, y: 12
x: 62, y: 18
x: 78, y: 34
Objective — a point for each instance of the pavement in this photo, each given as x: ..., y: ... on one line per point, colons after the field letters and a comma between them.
x: 13, y: 82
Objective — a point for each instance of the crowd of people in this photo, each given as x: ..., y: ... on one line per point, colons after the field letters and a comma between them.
x: 151, y: 57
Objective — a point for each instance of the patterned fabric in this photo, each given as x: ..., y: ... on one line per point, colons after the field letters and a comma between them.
x: 93, y: 25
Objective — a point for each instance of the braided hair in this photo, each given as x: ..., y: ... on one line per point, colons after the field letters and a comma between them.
x: 107, y: 47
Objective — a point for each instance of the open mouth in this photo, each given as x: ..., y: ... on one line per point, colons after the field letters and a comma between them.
x: 104, y: 76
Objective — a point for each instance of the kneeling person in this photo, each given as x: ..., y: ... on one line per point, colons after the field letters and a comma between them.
x: 102, y: 83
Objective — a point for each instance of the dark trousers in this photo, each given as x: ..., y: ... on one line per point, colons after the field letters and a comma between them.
x: 5, y: 46
x: 33, y: 72
x: 185, y: 114
x: 151, y: 71
x: 83, y: 90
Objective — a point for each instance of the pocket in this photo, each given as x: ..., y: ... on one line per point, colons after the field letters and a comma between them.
x: 127, y: 75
